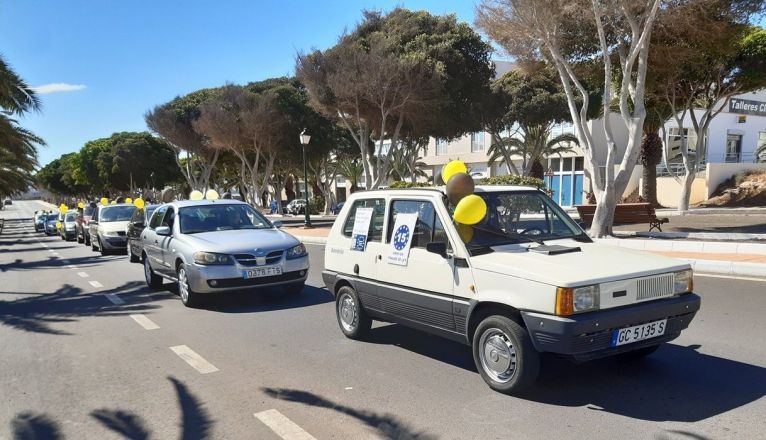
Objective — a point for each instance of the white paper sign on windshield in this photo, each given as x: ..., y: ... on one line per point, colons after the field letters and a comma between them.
x: 361, y: 228
x: 401, y: 238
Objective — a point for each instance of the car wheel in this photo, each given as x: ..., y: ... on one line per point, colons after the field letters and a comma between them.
x: 638, y: 354
x: 87, y: 239
x: 79, y: 238
x: 354, y: 322
x: 294, y: 289
x: 131, y: 256
x: 504, y: 355
x: 188, y: 296
x: 101, y: 246
x: 94, y: 245
x: 153, y: 280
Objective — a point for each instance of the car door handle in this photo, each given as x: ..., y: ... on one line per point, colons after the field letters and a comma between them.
x: 156, y: 242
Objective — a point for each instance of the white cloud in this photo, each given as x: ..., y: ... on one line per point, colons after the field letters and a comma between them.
x: 58, y: 87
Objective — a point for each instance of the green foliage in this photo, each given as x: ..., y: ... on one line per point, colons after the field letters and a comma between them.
x: 403, y: 185
x: 510, y: 179
x: 316, y: 205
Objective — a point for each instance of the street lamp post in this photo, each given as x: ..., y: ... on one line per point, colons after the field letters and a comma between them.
x: 305, y: 142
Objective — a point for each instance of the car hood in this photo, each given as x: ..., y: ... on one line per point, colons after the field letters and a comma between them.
x: 242, y: 241
x: 594, y: 263
x: 113, y: 226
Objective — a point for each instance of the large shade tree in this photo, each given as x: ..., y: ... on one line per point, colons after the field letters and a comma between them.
x: 567, y: 33
x: 398, y: 76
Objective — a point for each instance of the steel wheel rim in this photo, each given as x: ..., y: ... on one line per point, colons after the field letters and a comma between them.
x: 347, y: 312
x: 147, y: 271
x: 497, y: 355
x: 183, y: 288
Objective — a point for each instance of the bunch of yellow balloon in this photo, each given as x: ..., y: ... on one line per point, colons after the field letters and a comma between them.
x: 104, y: 201
x: 81, y: 205
x: 139, y: 203
x: 469, y: 208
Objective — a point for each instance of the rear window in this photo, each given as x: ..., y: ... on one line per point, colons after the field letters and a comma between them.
x: 70, y: 216
x: 88, y: 211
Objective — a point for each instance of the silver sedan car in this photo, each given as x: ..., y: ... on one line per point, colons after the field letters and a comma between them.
x: 212, y: 246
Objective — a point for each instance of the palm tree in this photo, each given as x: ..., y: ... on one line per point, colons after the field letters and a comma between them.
x: 16, y: 97
x: 532, y: 143
x: 351, y: 169
x: 405, y: 162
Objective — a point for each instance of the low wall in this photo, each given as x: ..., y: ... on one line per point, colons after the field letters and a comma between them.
x: 669, y: 191
x: 717, y: 173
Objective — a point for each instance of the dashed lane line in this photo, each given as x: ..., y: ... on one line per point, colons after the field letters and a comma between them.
x: 71, y: 266
x: 95, y: 284
x: 282, y: 426
x: 114, y: 298
x: 192, y: 358
x: 83, y: 274
x: 144, y: 322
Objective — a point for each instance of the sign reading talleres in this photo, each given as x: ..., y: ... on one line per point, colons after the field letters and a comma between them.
x: 747, y: 107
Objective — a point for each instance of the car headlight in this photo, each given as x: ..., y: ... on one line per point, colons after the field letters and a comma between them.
x: 683, y: 281
x: 570, y: 300
x: 210, y: 258
x: 111, y: 234
x: 297, y: 252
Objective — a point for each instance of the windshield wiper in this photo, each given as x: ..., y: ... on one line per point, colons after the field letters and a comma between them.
x: 511, y: 235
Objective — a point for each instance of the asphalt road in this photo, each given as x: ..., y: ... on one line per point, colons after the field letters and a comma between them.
x: 75, y: 365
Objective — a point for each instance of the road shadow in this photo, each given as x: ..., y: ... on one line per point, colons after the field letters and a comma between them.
x: 37, y: 313
x: 424, y: 344
x: 677, y: 384
x: 387, y: 425
x: 52, y: 262
x: 261, y: 300
x: 195, y: 423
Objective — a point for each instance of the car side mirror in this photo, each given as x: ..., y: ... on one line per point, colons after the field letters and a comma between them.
x: 277, y: 224
x: 163, y: 230
x: 437, y: 247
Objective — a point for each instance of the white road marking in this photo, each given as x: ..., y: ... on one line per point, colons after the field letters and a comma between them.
x: 95, y: 284
x: 282, y: 426
x: 192, y: 358
x: 733, y: 277
x: 144, y: 322
x: 72, y: 266
x: 83, y: 274
x: 114, y: 298
x: 349, y: 388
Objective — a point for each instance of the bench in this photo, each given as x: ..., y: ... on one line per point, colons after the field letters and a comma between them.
x: 625, y: 214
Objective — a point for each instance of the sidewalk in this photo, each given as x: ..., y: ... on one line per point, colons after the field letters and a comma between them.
x: 719, y: 258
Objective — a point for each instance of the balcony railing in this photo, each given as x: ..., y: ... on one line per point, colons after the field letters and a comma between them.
x: 739, y: 157
x: 676, y: 169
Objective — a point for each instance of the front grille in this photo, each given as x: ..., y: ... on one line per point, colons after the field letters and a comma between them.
x: 121, y: 233
x: 250, y: 260
x: 252, y: 282
x: 654, y: 287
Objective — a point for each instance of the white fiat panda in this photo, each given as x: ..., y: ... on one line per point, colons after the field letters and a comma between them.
x: 525, y: 279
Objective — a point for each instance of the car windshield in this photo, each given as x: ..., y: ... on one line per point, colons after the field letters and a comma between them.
x: 53, y: 217
x: 70, y: 216
x: 116, y: 213
x: 88, y: 211
x: 220, y: 217
x: 518, y: 216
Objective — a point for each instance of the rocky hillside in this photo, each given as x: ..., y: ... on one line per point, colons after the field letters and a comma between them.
x: 746, y: 189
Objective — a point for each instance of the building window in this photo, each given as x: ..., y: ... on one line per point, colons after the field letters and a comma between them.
x: 676, y: 142
x: 477, y: 141
x: 441, y: 147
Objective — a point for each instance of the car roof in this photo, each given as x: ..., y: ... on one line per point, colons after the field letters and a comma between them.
x: 443, y: 189
x: 187, y: 203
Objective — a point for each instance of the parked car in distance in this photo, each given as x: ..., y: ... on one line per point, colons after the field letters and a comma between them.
x: 39, y: 220
x: 84, y: 217
x: 215, y: 246
x: 50, y: 223
x: 525, y: 279
x: 135, y: 227
x: 296, y: 206
x: 8, y: 202
x: 108, y: 227
x: 336, y: 210
x: 68, y: 229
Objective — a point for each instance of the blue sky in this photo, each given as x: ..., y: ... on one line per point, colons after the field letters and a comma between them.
x: 121, y: 58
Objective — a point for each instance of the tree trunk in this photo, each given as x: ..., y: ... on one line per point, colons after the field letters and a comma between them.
x: 651, y: 155
x: 537, y: 170
x: 604, y: 215
x: 683, y: 202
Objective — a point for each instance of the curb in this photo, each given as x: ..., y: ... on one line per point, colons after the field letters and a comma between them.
x: 709, y: 236
x: 307, y: 239
x: 687, y: 246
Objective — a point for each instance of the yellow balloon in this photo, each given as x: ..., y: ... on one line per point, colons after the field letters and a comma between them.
x: 62, y: 207
x: 195, y: 195
x: 128, y: 200
x: 81, y: 205
x: 139, y: 203
x: 58, y: 225
x: 104, y: 201
x: 451, y: 168
x: 211, y: 194
x: 113, y: 202
x: 465, y: 232
x: 470, y: 210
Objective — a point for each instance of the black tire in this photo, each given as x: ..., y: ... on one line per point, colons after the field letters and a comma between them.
x: 131, y: 256
x: 636, y: 355
x: 93, y: 246
x: 86, y: 238
x: 189, y: 297
x: 353, y: 321
x: 495, y: 334
x: 294, y: 289
x: 153, y: 280
x: 79, y: 238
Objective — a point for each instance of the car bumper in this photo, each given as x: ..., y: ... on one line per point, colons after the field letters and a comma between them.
x: 589, y: 336
x: 119, y: 242
x: 213, y: 279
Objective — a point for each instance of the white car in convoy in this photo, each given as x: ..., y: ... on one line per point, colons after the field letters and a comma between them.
x: 108, y: 227
x: 526, y: 279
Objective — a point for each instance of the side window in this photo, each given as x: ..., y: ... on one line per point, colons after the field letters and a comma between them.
x: 95, y: 214
x: 138, y: 216
x: 170, y: 217
x: 157, y: 217
x: 376, y: 224
x: 428, y: 227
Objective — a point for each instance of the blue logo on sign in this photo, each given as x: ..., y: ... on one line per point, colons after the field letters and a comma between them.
x: 359, y: 242
x: 401, y: 237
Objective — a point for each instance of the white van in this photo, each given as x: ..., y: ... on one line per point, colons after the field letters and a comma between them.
x: 525, y: 279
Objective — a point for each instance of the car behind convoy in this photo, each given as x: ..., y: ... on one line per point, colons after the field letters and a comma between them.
x: 107, y: 229
x: 68, y: 229
x: 525, y: 279
x: 135, y: 227
x: 212, y: 246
